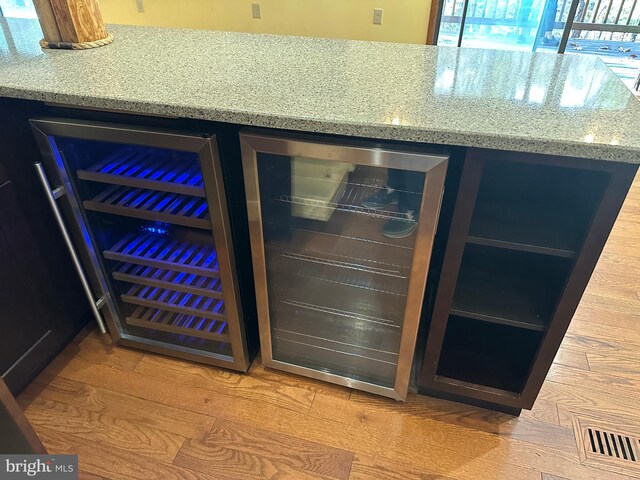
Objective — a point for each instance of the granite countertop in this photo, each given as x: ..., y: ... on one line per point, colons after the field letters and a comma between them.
x: 544, y: 103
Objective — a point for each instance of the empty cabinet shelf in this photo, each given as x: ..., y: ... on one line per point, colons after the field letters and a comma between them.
x: 487, y: 355
x: 509, y: 287
x: 536, y: 208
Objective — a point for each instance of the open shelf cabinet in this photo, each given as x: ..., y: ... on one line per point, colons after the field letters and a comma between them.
x: 495, y: 356
x: 509, y: 287
x: 525, y: 235
x: 544, y: 209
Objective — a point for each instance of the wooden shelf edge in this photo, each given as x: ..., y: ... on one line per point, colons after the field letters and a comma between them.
x: 172, y: 308
x: 136, y: 322
x: 521, y: 247
x: 152, y: 282
x: 140, y: 183
x: 203, y: 224
x: 523, y: 324
x: 477, y: 386
x: 150, y: 262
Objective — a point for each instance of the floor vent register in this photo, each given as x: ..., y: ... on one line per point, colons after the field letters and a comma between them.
x: 608, y: 445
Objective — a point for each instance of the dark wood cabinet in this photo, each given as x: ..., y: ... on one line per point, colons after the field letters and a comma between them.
x: 32, y: 330
x: 43, y: 306
x: 25, y: 326
x: 526, y: 233
x: 18, y: 436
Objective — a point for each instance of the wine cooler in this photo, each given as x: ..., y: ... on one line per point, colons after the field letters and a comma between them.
x: 341, y: 237
x: 144, y: 214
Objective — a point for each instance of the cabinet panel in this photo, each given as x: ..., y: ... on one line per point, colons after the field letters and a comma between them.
x: 38, y: 267
x: 30, y: 332
x: 24, y: 318
x: 18, y: 436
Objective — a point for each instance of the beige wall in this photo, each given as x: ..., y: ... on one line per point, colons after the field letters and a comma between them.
x: 404, y: 20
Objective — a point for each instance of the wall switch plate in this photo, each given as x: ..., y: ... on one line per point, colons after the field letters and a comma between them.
x: 255, y: 10
x: 140, y: 6
x: 377, y: 16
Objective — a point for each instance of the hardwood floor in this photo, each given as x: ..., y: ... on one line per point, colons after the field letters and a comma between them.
x: 131, y: 415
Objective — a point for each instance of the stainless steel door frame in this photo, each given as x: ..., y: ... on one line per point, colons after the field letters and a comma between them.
x: 46, y: 129
x: 217, y: 201
x: 434, y: 164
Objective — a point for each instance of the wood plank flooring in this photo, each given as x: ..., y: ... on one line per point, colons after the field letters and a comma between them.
x: 131, y: 415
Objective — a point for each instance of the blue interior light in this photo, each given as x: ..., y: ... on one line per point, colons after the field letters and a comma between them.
x: 157, y: 228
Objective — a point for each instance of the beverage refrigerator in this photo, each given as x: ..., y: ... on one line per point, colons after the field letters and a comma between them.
x: 341, y: 237
x: 144, y: 214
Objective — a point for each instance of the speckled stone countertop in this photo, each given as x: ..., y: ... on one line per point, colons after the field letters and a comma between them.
x: 544, y: 103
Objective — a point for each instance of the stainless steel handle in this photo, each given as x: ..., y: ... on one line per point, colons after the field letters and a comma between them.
x: 51, y: 196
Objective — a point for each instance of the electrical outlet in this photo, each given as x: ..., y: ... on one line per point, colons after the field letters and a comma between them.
x: 377, y: 16
x: 255, y: 10
x: 140, y: 6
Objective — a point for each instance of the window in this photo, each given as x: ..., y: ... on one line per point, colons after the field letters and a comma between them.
x: 17, y: 8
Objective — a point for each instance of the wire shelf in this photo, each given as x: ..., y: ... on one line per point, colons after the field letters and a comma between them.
x: 345, y: 207
x: 347, y: 281
x: 341, y: 264
x: 354, y: 238
x: 370, y: 186
x: 329, y: 351
x: 340, y: 313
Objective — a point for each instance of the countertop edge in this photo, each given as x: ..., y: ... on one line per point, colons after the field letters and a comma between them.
x: 585, y: 150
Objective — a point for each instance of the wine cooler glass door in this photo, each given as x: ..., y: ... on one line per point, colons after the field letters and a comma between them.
x: 341, y: 238
x: 151, y: 210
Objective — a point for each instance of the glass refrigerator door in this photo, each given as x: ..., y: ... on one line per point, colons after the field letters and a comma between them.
x: 344, y: 244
